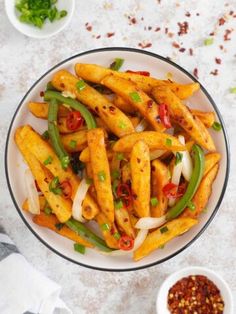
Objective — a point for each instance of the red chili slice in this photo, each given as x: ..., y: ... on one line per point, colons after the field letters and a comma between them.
x: 172, y: 190
x: 123, y: 190
x: 66, y: 189
x: 126, y: 243
x: 37, y: 186
x: 164, y: 115
x: 144, y: 73
x: 74, y: 120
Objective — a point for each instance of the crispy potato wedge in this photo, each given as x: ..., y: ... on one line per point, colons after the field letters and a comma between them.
x: 75, y: 142
x: 113, y: 117
x: 101, y: 171
x: 182, y: 116
x: 126, y: 172
x: 108, y: 230
x: 85, y: 155
x: 154, y: 140
x: 123, y: 222
x: 50, y: 222
x: 60, y: 206
x: 40, y: 110
x: 210, y: 160
x: 123, y: 105
x: 156, y: 239
x: 95, y: 73
x: 207, y: 118
x: 140, y: 174
x: 159, y: 178
x: 203, y: 193
x: 136, y: 97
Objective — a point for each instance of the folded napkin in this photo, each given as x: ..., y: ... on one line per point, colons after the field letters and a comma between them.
x: 24, y: 290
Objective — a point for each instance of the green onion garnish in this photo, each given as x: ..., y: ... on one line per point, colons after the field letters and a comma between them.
x: 122, y: 125
x: 65, y: 162
x: 116, y: 235
x: 54, y: 186
x: 118, y: 204
x: 59, y: 226
x: 80, y: 85
x: 232, y: 90
x: 105, y: 227
x: 164, y: 229
x: 208, y: 41
x: 216, y: 126
x: 178, y: 158
x: 73, y: 144
x: 117, y: 64
x: 101, y: 176
x: 135, y: 97
x: 114, y: 187
x: 47, y: 210
x: 48, y: 161
x: 120, y: 156
x: 45, y: 135
x: 89, y: 181
x: 154, y: 201
x: 168, y: 142
x: 79, y: 248
x: 162, y: 246
x: 115, y: 174
x: 191, y: 206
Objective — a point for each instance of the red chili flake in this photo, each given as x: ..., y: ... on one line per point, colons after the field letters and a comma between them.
x: 183, y: 28
x: 231, y: 12
x: 110, y: 34
x: 227, y: 33
x: 166, y: 30
x: 149, y: 28
x: 190, y: 51
x: 41, y: 94
x: 212, y: 34
x: 218, y: 60
x: 170, y: 35
x: 197, y: 14
x: 175, y: 45
x: 187, y: 14
x: 98, y: 36
x: 145, y: 45
x: 221, y: 47
x: 222, y: 21
x: 234, y: 16
x: 132, y: 20
x: 149, y: 103
x: 157, y: 29
x: 215, y: 72
x: 88, y: 27
x: 182, y: 49
x: 195, y: 73
x: 142, y: 18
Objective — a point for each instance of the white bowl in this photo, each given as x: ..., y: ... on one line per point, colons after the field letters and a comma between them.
x: 48, y: 28
x: 15, y: 167
x: 161, y: 304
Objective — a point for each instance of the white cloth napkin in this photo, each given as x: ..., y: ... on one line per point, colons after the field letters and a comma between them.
x: 23, y: 289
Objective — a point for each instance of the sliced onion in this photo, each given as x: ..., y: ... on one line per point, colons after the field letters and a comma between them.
x: 175, y: 178
x: 67, y: 94
x: 32, y: 193
x: 150, y: 222
x: 187, y: 161
x: 142, y: 234
x: 141, y: 126
x: 78, y: 200
x: 156, y: 154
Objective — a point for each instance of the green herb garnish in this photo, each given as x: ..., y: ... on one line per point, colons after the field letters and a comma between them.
x: 120, y: 156
x: 54, y: 186
x: 118, y: 204
x: 65, y: 162
x: 73, y: 144
x: 178, y: 158
x: 168, y: 142
x: 48, y: 161
x: 117, y: 64
x: 47, y: 210
x: 59, y: 226
x: 116, y: 235
x: 101, y: 176
x: 154, y: 201
x: 79, y: 248
x: 164, y: 229
x: 232, y: 90
x: 89, y: 181
x: 122, y: 125
x: 135, y: 97
x: 216, y: 126
x: 191, y: 206
x: 80, y: 85
x: 115, y: 174
x: 208, y: 41
x: 105, y: 227
x: 45, y: 135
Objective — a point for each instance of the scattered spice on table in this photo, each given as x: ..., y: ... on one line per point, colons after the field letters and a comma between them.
x: 195, y: 294
x: 88, y: 27
x: 215, y: 72
x: 110, y: 34
x: 218, y: 60
x: 183, y: 28
x: 145, y: 45
x: 195, y: 73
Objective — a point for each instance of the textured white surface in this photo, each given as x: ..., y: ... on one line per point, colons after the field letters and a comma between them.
x: 23, y: 60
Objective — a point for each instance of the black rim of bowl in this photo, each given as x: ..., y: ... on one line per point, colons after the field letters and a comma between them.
x: 225, y: 138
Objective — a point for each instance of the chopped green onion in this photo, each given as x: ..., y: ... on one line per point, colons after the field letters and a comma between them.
x: 47, y: 210
x: 73, y: 144
x: 154, y: 201
x: 54, y: 186
x: 117, y: 64
x: 50, y: 86
x: 120, y: 156
x: 164, y: 229
x: 118, y: 204
x: 115, y: 174
x: 105, y: 227
x: 79, y: 248
x: 114, y: 187
x: 80, y: 85
x: 45, y: 135
x: 233, y: 90
x: 162, y: 246
x: 208, y: 41
x: 135, y: 97
x: 205, y: 210
x: 216, y: 126
x: 89, y: 181
x: 178, y: 158
x: 63, y: 13
x: 48, y: 161
x: 191, y: 206
x: 122, y: 125
x: 116, y: 235
x: 65, y: 162
x: 101, y: 176
x: 168, y: 142
x: 59, y: 226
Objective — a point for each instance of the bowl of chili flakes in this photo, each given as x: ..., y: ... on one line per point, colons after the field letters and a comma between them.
x: 194, y: 290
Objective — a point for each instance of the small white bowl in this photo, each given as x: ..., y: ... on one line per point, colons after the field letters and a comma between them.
x: 161, y: 304
x: 48, y: 28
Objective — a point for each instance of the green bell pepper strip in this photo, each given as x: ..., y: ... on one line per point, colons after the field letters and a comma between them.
x: 86, y: 114
x: 54, y: 134
x: 194, y: 182
x: 87, y: 234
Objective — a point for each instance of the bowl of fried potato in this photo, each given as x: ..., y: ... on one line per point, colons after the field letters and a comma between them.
x: 112, y: 155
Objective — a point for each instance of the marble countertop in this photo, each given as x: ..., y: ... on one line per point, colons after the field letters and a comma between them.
x: 134, y: 23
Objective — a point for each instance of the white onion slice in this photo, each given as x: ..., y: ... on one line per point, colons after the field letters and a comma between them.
x: 142, y: 234
x: 141, y: 126
x: 175, y: 178
x: 67, y: 94
x: 32, y: 193
x: 187, y: 161
x: 156, y: 154
x: 78, y: 200
x: 150, y: 222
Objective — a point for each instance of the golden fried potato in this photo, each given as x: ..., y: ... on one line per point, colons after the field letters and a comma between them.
x: 101, y: 171
x: 126, y: 172
x: 114, y: 119
x: 207, y: 118
x: 155, y: 140
x: 123, y: 105
x: 40, y: 110
x: 74, y: 142
x: 159, y: 178
x: 108, y: 230
x: 140, y: 174
x: 182, y: 116
x: 210, y: 160
x: 158, y: 238
x: 123, y: 222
